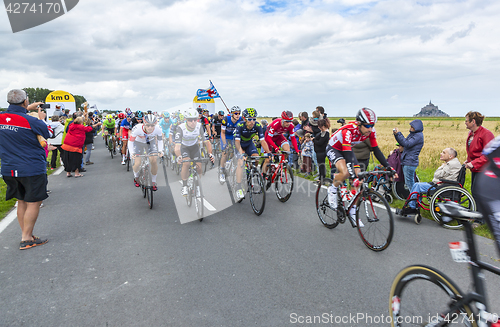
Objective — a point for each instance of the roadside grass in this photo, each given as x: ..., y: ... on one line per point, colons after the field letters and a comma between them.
x: 6, y: 206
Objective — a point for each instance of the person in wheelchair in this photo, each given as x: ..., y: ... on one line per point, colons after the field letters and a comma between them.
x: 449, y: 170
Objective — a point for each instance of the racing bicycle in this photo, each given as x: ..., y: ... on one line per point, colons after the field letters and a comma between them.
x: 373, y: 219
x: 145, y: 178
x: 428, y: 294
x: 195, y: 191
x: 280, y: 174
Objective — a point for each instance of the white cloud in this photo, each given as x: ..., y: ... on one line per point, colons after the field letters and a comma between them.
x: 340, y: 54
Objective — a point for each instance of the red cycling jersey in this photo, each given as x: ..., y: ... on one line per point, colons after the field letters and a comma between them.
x: 274, y: 134
x: 348, y: 135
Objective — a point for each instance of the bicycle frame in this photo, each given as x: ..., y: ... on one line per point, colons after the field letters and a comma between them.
x: 279, y: 167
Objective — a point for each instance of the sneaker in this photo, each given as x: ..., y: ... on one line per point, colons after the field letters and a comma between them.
x: 240, y: 195
x: 89, y: 163
x: 123, y: 161
x: 93, y: 147
x: 83, y: 170
x: 24, y: 245
x: 184, y: 191
x: 136, y: 183
x: 332, y: 197
x: 222, y: 178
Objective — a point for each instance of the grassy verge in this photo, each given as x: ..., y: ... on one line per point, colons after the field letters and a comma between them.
x: 6, y: 206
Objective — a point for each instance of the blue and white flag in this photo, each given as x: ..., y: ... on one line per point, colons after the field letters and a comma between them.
x: 207, y: 94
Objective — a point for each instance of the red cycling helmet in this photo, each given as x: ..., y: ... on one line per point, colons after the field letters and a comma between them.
x: 366, y: 116
x: 287, y: 115
x: 121, y: 115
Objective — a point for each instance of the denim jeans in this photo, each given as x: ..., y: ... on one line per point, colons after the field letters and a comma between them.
x: 419, y: 188
x: 89, y: 151
x: 409, y: 172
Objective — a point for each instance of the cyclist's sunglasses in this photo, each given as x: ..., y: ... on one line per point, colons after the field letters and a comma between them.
x: 287, y: 121
x: 150, y: 125
x: 191, y: 119
x: 368, y: 125
x: 236, y: 113
x: 251, y: 119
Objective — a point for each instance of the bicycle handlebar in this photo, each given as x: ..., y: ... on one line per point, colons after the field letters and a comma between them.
x: 364, y: 174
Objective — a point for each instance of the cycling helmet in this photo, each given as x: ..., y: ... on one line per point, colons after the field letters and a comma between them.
x: 249, y: 113
x: 205, y: 110
x: 191, y: 113
x: 366, y: 116
x: 150, y: 119
x: 121, y: 115
x: 165, y: 114
x: 181, y: 117
x: 128, y: 111
x: 287, y: 115
x: 109, y: 116
x: 200, y: 110
x: 235, y: 108
x: 221, y: 112
x: 139, y: 114
x: 264, y: 122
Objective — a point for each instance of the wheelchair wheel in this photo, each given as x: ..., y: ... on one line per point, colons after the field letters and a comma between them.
x: 417, y: 219
x: 454, y: 194
x: 400, y: 190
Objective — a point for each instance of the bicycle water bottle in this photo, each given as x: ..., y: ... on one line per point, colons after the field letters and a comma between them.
x: 272, y: 169
x: 350, y: 195
x: 343, y: 192
x: 190, y: 181
x: 228, y: 164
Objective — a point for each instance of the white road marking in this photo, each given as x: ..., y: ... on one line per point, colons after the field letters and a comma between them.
x: 206, y: 204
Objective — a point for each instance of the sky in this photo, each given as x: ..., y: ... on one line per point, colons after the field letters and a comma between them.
x: 393, y: 56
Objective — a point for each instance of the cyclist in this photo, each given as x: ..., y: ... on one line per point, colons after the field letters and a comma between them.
x: 243, y: 140
x: 165, y: 124
x: 339, y: 151
x: 109, y: 128
x: 124, y: 131
x: 275, y: 139
x: 226, y: 136
x: 146, y: 137
x: 205, y: 123
x: 487, y: 189
x: 217, y: 124
x: 187, y: 147
x: 136, y: 119
x: 121, y: 118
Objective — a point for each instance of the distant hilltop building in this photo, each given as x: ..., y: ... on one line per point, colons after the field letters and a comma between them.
x: 431, y: 110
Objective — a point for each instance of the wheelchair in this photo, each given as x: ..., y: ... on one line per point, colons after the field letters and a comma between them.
x: 442, y: 191
x: 389, y: 189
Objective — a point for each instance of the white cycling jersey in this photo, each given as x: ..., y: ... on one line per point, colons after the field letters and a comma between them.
x: 187, y: 137
x: 139, y: 135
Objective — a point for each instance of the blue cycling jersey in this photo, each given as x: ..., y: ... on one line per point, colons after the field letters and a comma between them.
x: 228, y: 126
x: 165, y: 125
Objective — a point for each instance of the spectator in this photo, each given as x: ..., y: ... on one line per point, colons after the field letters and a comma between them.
x: 59, y: 110
x: 73, y: 144
x: 362, y: 152
x: 448, y: 170
x: 23, y: 162
x: 320, y: 143
x: 394, y: 160
x: 476, y: 141
x: 56, y: 140
x: 307, y: 151
x: 321, y: 111
x: 304, y: 122
x: 295, y: 156
x: 89, y: 142
x: 412, y: 144
x: 313, y: 124
x: 65, y: 113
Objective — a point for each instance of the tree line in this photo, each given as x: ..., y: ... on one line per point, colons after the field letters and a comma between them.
x: 40, y: 94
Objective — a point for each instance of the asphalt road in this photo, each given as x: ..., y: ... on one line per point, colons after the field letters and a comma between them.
x: 111, y: 261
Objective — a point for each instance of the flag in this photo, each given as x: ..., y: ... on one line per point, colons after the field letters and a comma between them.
x: 207, y: 94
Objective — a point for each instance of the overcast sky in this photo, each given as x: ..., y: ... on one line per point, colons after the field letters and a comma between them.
x: 392, y: 56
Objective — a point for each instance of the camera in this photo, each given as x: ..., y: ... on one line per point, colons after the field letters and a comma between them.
x: 341, y: 121
x: 394, y: 130
x: 45, y: 106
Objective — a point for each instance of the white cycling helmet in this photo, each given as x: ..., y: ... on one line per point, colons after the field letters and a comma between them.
x: 150, y: 119
x: 191, y: 113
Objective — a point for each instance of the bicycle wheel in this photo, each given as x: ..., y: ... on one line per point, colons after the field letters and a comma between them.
x: 149, y: 191
x: 326, y: 214
x: 450, y: 194
x: 198, y: 196
x: 128, y: 160
x: 284, y: 183
x: 257, y: 192
x: 377, y: 220
x: 110, y: 148
x: 219, y: 170
x: 422, y: 296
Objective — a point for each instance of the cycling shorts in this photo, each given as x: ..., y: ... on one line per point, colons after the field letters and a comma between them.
x: 223, y: 147
x: 111, y: 131
x: 192, y: 152
x: 279, y: 140
x: 144, y: 148
x: 249, y: 148
x: 125, y: 135
x: 335, y: 155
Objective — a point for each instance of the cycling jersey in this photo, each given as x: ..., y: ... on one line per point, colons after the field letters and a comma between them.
x: 126, y: 127
x: 186, y: 137
x: 274, y: 135
x: 165, y: 125
x: 348, y: 135
x: 244, y: 134
x: 228, y: 126
x: 109, y: 124
x: 217, y: 123
x: 139, y: 139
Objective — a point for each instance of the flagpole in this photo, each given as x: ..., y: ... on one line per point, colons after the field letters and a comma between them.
x: 221, y: 98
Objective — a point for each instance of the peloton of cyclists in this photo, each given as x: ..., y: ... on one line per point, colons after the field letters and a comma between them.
x: 243, y: 140
x: 226, y: 137
x: 187, y: 145
x: 146, y: 137
x: 339, y: 151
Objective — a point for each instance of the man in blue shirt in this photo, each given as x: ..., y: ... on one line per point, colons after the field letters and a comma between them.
x: 24, y: 162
